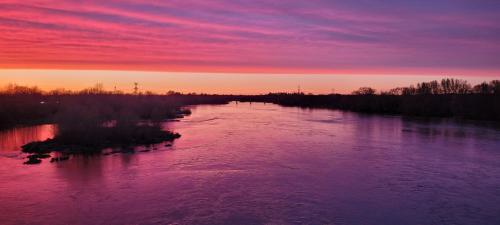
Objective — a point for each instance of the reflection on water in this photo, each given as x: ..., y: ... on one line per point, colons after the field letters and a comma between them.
x: 266, y: 164
x: 13, y: 139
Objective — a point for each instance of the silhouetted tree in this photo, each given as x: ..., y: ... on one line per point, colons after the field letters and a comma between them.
x: 411, y: 90
x: 395, y: 91
x: 435, y: 87
x: 424, y: 88
x: 455, y: 86
x: 495, y: 86
x: 14, y: 89
x: 97, y: 89
x: 364, y: 91
x: 483, y: 88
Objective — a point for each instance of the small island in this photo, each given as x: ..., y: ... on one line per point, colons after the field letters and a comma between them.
x: 108, y: 137
x: 91, y: 120
x: 89, y: 124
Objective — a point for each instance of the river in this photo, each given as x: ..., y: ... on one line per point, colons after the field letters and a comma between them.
x: 257, y: 163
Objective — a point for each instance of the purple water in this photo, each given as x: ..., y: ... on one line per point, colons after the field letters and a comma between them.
x: 265, y: 164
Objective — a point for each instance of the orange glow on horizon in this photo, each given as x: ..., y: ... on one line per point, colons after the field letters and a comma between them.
x: 214, y: 83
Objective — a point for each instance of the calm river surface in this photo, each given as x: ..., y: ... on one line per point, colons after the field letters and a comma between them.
x: 265, y: 164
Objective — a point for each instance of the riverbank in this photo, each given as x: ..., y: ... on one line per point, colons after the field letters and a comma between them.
x: 485, y: 107
x: 88, y: 123
x: 26, y: 109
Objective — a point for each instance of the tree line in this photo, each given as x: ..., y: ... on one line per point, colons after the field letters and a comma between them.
x: 449, y: 98
x: 22, y: 105
x: 445, y: 86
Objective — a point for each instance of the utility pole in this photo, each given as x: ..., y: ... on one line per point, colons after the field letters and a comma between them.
x: 298, y: 89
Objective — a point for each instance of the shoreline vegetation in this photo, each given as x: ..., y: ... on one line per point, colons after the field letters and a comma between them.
x: 94, y: 119
x: 449, y: 98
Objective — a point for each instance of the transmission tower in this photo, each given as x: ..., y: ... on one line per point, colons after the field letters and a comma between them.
x: 136, y: 88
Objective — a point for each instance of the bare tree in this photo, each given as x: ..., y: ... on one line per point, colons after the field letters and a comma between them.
x: 364, y: 91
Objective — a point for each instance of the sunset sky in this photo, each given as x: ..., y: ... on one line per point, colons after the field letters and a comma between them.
x: 224, y: 45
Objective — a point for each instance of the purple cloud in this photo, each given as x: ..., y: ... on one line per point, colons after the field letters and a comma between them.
x: 316, y: 36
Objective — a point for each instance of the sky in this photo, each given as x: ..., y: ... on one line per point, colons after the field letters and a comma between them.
x: 365, y: 39
x: 215, y: 83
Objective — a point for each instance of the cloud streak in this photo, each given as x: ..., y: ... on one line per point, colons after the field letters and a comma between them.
x: 317, y: 36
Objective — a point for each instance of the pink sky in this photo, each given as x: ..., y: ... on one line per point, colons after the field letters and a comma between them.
x: 399, y: 37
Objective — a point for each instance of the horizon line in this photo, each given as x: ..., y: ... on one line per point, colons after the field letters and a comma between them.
x: 216, y: 83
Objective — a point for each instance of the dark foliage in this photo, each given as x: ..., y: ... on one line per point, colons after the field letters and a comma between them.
x: 24, y: 105
x: 448, y: 98
x: 91, y: 120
